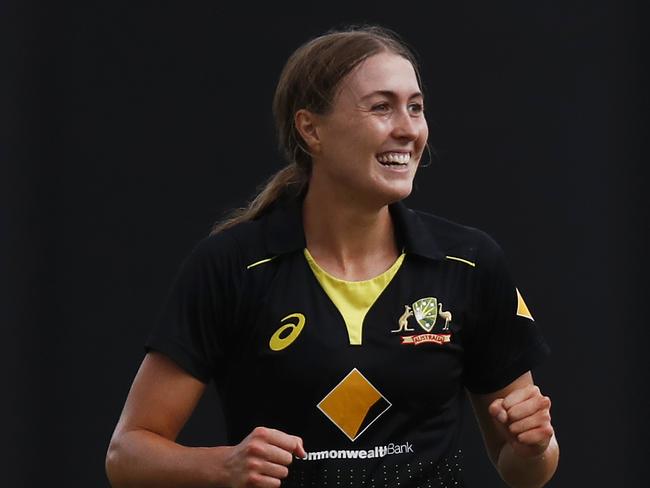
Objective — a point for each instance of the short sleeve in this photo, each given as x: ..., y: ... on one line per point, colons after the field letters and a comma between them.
x: 504, y: 341
x: 192, y: 327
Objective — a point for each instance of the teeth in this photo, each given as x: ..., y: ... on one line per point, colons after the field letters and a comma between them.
x: 394, y: 158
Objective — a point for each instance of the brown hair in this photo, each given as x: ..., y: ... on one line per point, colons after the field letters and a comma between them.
x: 310, y: 80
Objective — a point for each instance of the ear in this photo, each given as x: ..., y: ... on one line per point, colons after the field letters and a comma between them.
x: 307, y: 126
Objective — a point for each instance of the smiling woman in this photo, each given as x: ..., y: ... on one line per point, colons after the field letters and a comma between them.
x: 370, y: 142
x: 340, y: 327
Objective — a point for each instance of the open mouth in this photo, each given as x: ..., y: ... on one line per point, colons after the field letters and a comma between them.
x: 394, y: 159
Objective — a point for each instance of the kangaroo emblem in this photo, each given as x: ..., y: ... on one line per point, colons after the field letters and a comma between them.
x: 403, y: 320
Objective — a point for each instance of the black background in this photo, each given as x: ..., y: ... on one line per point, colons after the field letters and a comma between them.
x: 128, y: 129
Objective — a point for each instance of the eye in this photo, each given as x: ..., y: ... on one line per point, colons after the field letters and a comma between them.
x: 381, y: 107
x: 416, y: 108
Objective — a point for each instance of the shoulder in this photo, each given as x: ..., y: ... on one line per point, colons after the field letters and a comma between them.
x: 234, y: 247
x: 451, y: 234
x: 456, y: 240
x: 275, y: 231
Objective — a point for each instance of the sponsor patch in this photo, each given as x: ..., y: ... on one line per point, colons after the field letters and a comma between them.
x: 354, y: 404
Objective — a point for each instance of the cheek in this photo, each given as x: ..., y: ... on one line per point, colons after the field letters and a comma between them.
x: 424, y: 131
x: 346, y: 133
x: 362, y: 141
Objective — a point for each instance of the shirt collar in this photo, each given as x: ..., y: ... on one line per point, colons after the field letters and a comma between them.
x: 284, y: 233
x: 413, y: 233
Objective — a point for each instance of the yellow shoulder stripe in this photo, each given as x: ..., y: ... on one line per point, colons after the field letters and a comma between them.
x: 257, y: 263
x: 454, y: 258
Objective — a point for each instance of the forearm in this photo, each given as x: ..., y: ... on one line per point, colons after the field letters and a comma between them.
x: 140, y: 458
x: 522, y: 472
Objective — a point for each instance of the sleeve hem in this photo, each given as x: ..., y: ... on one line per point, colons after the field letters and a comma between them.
x: 529, y: 359
x: 176, y: 353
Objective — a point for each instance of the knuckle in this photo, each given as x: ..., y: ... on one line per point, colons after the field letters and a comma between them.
x: 284, y: 472
x: 495, y: 408
x: 252, y: 479
x: 261, y: 432
x: 253, y: 465
x: 255, y: 448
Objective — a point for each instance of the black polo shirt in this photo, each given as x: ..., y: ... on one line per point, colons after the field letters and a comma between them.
x: 370, y: 374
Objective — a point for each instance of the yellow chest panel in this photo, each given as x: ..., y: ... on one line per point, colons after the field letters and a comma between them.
x: 353, y: 299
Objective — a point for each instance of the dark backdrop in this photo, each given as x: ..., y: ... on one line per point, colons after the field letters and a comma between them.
x: 128, y: 130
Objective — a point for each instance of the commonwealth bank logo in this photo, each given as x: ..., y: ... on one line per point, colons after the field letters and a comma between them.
x: 354, y: 404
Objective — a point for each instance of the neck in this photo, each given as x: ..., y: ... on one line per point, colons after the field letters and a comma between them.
x: 346, y: 236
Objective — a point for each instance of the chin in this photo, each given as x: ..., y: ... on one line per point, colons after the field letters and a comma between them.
x: 395, y: 193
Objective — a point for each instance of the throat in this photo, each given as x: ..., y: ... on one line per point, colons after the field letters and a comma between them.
x: 349, y: 240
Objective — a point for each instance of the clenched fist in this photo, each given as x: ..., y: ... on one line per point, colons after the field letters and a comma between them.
x: 262, y: 458
x: 524, y: 416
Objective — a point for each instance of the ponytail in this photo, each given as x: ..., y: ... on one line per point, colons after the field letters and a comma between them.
x: 289, y: 178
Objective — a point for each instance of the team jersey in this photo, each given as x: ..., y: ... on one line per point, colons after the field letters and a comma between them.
x: 370, y: 374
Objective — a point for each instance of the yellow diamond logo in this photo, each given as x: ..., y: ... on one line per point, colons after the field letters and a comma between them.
x: 354, y: 404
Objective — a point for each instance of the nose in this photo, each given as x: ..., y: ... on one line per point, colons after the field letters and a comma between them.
x: 406, y: 126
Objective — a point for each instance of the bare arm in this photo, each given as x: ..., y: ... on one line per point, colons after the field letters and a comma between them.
x: 516, y: 426
x: 143, y: 452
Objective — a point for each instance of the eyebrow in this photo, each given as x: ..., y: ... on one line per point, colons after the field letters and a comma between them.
x: 390, y: 94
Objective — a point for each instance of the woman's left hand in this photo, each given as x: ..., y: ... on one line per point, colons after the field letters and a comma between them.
x: 524, y: 417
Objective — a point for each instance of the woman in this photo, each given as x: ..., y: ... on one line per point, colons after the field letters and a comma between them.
x: 340, y: 327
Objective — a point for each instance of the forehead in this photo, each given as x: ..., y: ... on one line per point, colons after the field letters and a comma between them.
x: 381, y: 72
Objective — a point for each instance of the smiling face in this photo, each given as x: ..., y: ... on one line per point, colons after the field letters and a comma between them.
x: 371, y: 141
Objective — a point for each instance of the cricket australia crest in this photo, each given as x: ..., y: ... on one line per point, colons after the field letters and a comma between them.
x: 426, y: 312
